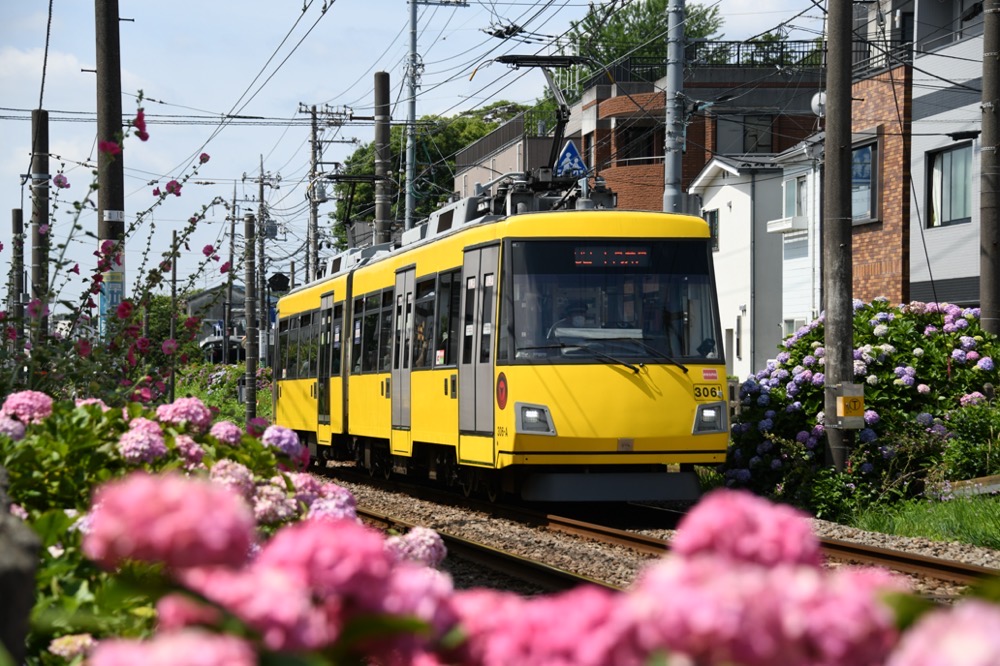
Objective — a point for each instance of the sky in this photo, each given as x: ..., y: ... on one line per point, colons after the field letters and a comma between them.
x: 196, y: 63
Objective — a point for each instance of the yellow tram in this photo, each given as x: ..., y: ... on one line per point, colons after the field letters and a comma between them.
x: 560, y: 355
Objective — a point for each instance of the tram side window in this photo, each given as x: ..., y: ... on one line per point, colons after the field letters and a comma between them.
x: 468, y: 332
x: 486, y: 317
x: 291, y: 360
x: 307, y: 347
x: 359, y: 315
x: 325, y: 317
x: 423, y: 324
x: 337, y: 342
x: 369, y: 333
x: 282, y: 362
x: 385, y: 333
x: 449, y: 299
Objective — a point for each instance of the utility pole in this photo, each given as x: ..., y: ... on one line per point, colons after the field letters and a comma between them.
x: 250, y: 308
x: 673, y: 149
x: 265, y: 178
x: 838, y: 278
x: 175, y: 252
x: 16, y: 305
x: 413, y: 70
x: 312, y: 251
x: 110, y: 170
x: 989, y: 227
x: 39, y: 216
x: 382, y: 157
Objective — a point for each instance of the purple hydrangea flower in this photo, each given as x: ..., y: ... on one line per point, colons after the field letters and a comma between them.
x: 11, y: 427
x: 958, y: 355
x: 871, y: 417
x: 226, y: 432
x: 985, y: 363
x: 284, y: 439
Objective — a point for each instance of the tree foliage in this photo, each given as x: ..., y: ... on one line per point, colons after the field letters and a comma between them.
x: 638, y: 29
x: 438, y: 141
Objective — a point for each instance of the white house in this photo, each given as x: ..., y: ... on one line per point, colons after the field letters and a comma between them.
x: 739, y: 197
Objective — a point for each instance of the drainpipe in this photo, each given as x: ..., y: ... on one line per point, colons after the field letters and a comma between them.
x: 753, y: 271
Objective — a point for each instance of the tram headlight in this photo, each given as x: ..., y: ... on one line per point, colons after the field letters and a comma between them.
x: 710, y: 418
x: 534, y: 419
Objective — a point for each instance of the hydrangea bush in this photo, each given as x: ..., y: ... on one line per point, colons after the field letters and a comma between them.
x: 926, y: 369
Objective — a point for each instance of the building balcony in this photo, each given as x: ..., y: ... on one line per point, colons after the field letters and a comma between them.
x: 786, y: 224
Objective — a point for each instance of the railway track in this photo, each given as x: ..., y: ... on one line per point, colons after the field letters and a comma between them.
x: 836, y: 552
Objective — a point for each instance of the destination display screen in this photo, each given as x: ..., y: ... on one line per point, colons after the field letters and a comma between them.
x: 633, y: 256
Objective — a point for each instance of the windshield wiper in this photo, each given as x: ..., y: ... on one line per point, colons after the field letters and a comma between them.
x: 594, y: 352
x: 651, y: 349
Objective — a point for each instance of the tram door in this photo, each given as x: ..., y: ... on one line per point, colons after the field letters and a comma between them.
x: 475, y: 369
x: 402, y: 352
x: 325, y: 351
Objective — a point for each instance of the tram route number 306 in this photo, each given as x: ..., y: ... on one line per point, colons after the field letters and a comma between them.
x: 707, y: 392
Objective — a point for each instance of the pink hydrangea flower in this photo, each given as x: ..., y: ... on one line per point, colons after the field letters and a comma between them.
x: 272, y: 505
x: 333, y: 558
x: 226, y: 432
x: 742, y: 527
x: 179, y: 521
x: 421, y: 545
x: 189, y: 449
x: 235, y: 476
x: 83, y: 402
x: 142, y: 442
x: 186, y: 411
x: 275, y: 603
x: 967, y: 634
x: 177, y: 611
x: 195, y: 647
x: 420, y: 592
x: 27, y: 406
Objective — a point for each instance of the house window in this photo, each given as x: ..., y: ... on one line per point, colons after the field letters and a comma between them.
x: 864, y: 186
x: 712, y: 217
x: 951, y: 186
x: 796, y: 190
x: 757, y: 134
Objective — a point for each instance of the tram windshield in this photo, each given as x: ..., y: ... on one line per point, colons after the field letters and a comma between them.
x: 649, y: 301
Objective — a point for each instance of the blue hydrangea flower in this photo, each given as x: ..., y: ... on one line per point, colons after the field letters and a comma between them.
x: 958, y: 355
x: 765, y: 425
x: 872, y: 417
x: 867, y: 435
x: 924, y: 419
x: 763, y: 399
x: 985, y: 363
x: 867, y: 468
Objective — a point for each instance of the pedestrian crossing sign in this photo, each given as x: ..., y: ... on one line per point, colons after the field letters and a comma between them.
x: 570, y: 163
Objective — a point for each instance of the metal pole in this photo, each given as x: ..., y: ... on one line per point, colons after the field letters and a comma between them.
x: 16, y: 306
x: 173, y: 313
x: 837, y: 224
x: 227, y: 313
x: 250, y: 306
x: 382, y: 157
x: 989, y: 228
x: 411, y: 120
x: 39, y: 216
x: 673, y: 150
x: 262, y: 306
x: 110, y: 169
x: 312, y: 232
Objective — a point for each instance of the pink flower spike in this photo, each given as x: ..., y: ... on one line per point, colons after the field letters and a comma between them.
x: 203, y: 158
x: 60, y: 181
x: 173, y: 187
x: 224, y: 268
x: 207, y: 250
x: 110, y: 147
x: 156, y: 192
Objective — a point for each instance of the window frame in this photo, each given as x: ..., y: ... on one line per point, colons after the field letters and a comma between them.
x: 932, y: 212
x: 873, y: 179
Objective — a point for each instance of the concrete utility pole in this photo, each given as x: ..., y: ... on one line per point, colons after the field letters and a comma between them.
x: 40, y: 216
x: 837, y: 225
x: 413, y: 81
x: 227, y: 314
x: 383, y: 205
x: 258, y: 276
x: 312, y: 231
x: 989, y: 227
x: 110, y: 170
x: 673, y: 149
x: 250, y: 307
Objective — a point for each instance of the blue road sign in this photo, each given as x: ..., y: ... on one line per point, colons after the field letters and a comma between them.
x: 570, y: 163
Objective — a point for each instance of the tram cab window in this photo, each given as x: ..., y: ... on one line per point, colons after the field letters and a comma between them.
x: 648, y: 300
x: 292, y: 349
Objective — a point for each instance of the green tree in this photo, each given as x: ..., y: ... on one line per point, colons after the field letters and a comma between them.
x: 438, y: 141
x: 638, y: 30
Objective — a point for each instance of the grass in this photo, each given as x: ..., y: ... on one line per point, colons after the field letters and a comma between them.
x: 973, y: 520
